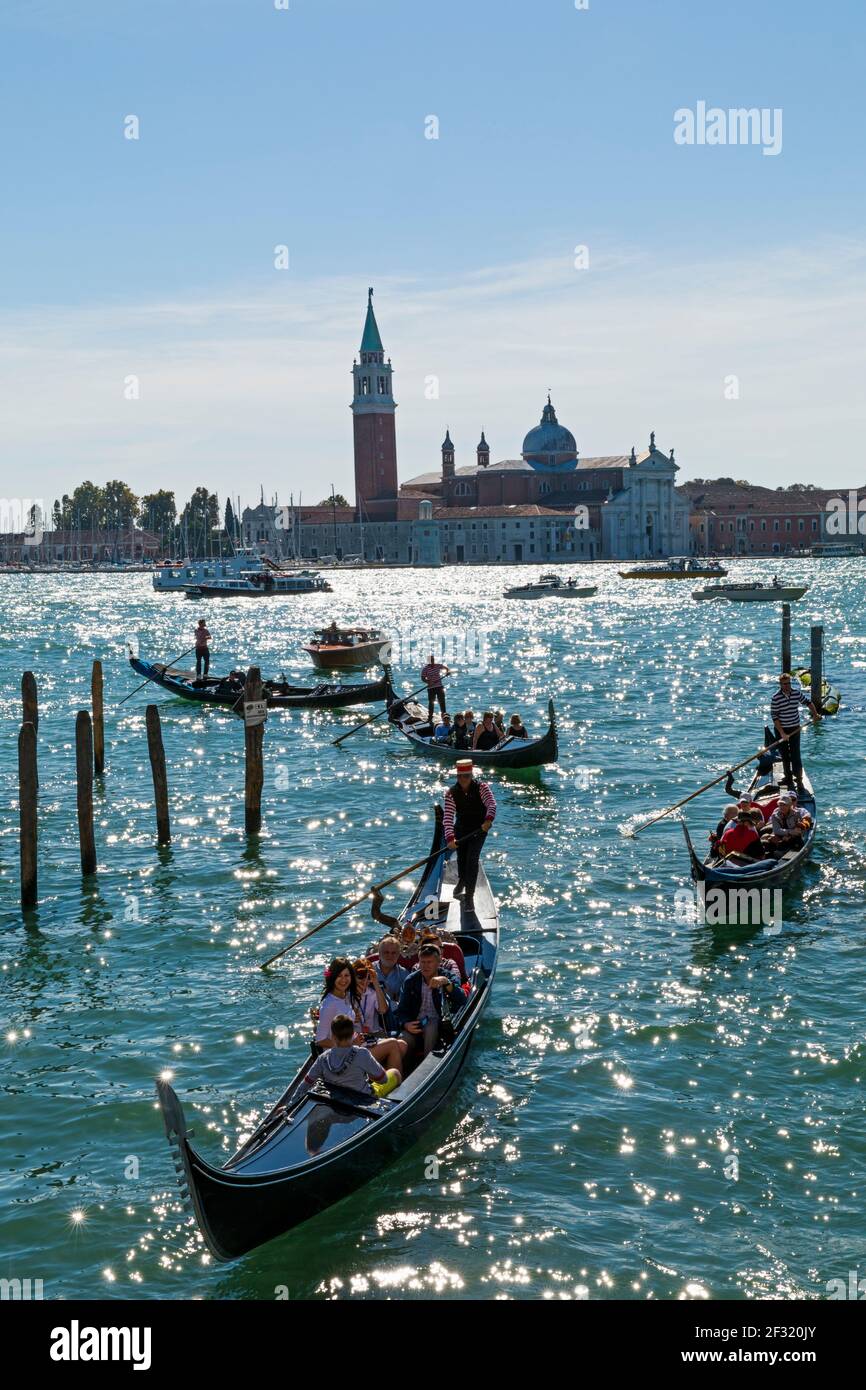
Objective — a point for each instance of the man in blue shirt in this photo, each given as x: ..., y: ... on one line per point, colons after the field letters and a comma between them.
x: 442, y: 732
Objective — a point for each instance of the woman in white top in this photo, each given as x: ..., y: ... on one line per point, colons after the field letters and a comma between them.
x: 342, y: 995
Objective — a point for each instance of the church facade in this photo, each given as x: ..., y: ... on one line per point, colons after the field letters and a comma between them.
x: 628, y: 503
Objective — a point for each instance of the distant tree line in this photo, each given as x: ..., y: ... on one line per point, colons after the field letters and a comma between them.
x: 197, y: 530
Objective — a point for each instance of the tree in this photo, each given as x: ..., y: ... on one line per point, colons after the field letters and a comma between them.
x: 336, y: 501
x: 158, y: 512
x: 119, y: 505
x: 57, y: 516
x: 86, y: 507
x: 231, y: 522
x: 199, y: 517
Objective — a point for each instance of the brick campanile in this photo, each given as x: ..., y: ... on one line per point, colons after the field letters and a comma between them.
x: 373, y: 408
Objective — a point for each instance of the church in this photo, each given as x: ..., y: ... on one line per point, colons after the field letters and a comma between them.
x: 548, y: 505
x: 627, y: 503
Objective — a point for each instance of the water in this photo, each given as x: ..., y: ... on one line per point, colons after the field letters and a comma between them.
x: 626, y: 1056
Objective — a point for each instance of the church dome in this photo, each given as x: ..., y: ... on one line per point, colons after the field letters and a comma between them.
x: 550, y: 444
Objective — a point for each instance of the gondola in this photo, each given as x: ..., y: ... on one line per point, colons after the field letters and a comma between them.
x: 759, y: 873
x: 315, y: 1146
x: 223, y: 690
x: 413, y: 723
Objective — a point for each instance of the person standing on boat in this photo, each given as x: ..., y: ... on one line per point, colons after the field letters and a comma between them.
x: 432, y: 675
x: 785, y: 714
x: 470, y: 809
x: 202, y: 651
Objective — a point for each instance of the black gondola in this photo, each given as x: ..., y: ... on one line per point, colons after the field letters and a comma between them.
x: 413, y: 723
x: 222, y: 690
x: 759, y: 873
x: 316, y: 1146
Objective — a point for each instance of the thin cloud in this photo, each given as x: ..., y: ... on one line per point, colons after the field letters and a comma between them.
x: 254, y: 387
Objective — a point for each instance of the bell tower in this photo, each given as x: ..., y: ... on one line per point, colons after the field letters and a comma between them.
x: 373, y: 409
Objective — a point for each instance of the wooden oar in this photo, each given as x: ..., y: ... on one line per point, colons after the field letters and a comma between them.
x: 714, y: 783
x: 374, y: 887
x: 373, y: 718
x: 150, y: 678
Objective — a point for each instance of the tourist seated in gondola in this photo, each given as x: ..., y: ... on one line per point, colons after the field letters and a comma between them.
x: 740, y: 840
x: 486, y: 734
x: 443, y: 731
x: 341, y: 995
x: 428, y: 995
x: 499, y: 721
x: 788, y: 823
x: 729, y: 815
x: 350, y: 1065
x: 516, y: 727
x: 372, y: 1003
x: 460, y: 737
x: 392, y: 976
x: 453, y: 961
x: 469, y: 720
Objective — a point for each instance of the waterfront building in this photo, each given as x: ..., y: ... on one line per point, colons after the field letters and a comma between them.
x: 740, y: 518
x: 85, y: 547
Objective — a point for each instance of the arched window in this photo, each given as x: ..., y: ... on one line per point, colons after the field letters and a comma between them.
x: 462, y: 490
x: 543, y: 489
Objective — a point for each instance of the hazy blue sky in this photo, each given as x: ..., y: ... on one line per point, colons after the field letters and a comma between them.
x: 306, y: 127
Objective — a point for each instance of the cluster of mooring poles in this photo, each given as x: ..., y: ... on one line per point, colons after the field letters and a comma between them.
x: 90, y: 763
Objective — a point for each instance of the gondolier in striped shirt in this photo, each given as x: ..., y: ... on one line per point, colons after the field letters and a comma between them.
x: 785, y: 714
x: 470, y: 809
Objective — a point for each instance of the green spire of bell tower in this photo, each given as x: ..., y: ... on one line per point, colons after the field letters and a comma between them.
x: 371, y: 341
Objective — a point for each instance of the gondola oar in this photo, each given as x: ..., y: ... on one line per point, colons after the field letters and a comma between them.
x: 714, y: 783
x: 144, y: 683
x: 374, y: 887
x: 373, y: 719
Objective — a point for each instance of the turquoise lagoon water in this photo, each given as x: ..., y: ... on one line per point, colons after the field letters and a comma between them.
x: 628, y: 1055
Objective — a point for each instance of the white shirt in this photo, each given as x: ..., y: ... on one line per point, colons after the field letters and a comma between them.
x: 331, y: 1006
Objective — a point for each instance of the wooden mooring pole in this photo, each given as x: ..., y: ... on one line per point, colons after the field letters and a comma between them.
x: 816, y: 665
x: 254, y: 733
x: 786, y: 637
x: 98, y: 725
x: 84, y: 779
x: 27, y: 788
x: 157, y: 766
x: 29, y: 700
x: 30, y: 705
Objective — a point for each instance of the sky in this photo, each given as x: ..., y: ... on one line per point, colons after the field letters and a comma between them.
x: 147, y: 334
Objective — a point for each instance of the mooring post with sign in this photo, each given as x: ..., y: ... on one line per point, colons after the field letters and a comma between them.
x: 817, y: 667
x: 255, y: 714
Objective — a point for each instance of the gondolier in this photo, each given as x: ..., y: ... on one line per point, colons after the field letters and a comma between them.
x: 432, y: 677
x: 469, y: 807
x: 202, y: 650
x: 785, y: 714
